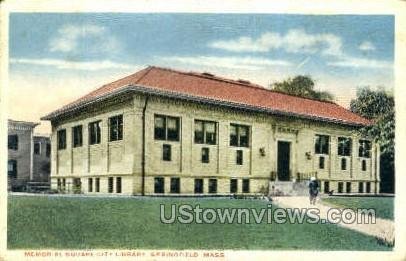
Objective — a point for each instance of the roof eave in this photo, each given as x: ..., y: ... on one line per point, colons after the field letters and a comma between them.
x: 153, y: 91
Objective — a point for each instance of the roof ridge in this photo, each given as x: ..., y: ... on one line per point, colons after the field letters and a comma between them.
x: 248, y: 85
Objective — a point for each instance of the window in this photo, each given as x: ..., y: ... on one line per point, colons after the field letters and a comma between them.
x: 48, y: 150
x: 61, y: 137
x: 364, y: 165
x: 205, y: 155
x: 13, y: 142
x: 166, y: 152
x: 348, y: 187
x: 63, y: 184
x: 90, y: 184
x: 110, y: 185
x: 326, y: 187
x: 233, y: 186
x: 239, y: 135
x: 175, y: 185
x: 245, y: 185
x: 368, y: 188
x: 159, y: 185
x: 321, y: 162
x: 212, y: 185
x: 205, y: 132
x: 343, y: 164
x: 12, y: 169
x: 166, y: 128
x: 322, y: 144
x: 97, y: 185
x: 58, y: 184
x: 340, y: 187
x: 198, y: 186
x: 37, y: 148
x: 94, y: 132
x: 364, y: 149
x: 77, y: 137
x: 360, y: 187
x: 239, y: 157
x: 116, y: 128
x: 118, y: 185
x: 344, y: 146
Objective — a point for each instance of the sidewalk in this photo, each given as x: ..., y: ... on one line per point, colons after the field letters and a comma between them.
x: 383, y: 229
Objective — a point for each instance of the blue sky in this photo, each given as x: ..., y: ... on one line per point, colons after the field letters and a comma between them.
x: 65, y: 55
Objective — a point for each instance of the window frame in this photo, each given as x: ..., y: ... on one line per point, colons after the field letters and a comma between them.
x: 318, y: 145
x: 238, y: 128
x: 116, y: 123
x: 166, y: 128
x: 342, y: 149
x: 77, y: 140
x: 95, y: 131
x: 364, y: 149
x: 205, y: 152
x: 205, y: 133
x: 12, y: 141
x: 166, y: 152
x: 61, y: 139
x: 37, y: 144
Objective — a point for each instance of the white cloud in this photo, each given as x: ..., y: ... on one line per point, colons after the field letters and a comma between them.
x: 69, y: 38
x: 361, y: 63
x: 230, y: 62
x: 294, y: 41
x: 367, y: 46
x: 73, y: 65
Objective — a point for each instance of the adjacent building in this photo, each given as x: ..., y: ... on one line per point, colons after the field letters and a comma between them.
x: 162, y: 131
x: 28, y: 155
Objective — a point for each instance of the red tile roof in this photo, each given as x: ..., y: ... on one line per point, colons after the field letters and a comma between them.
x: 208, y: 86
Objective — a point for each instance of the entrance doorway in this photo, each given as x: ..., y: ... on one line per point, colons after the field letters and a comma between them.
x: 283, y: 160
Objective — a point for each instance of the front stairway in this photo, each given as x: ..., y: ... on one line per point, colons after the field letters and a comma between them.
x: 289, y: 188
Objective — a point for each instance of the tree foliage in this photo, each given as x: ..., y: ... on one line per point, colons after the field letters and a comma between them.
x: 379, y: 106
x: 303, y: 86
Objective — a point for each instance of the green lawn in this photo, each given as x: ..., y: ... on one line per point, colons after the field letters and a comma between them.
x: 383, y: 205
x: 131, y: 223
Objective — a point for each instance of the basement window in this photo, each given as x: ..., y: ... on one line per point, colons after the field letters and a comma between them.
x: 245, y: 185
x: 116, y: 128
x: 110, y: 184
x: 348, y: 187
x: 97, y: 185
x: 118, y: 185
x: 175, y: 185
x: 198, y: 186
x: 340, y: 187
x: 233, y: 186
x: 159, y: 185
x: 361, y: 187
x: 90, y: 185
x: 213, y: 186
x: 368, y: 187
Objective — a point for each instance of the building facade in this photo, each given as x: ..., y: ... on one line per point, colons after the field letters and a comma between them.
x: 162, y: 131
x: 28, y: 155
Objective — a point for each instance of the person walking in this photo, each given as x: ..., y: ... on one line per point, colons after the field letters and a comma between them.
x: 313, y: 190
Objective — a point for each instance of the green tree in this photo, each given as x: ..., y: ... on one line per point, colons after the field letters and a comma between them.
x: 379, y: 106
x: 301, y: 85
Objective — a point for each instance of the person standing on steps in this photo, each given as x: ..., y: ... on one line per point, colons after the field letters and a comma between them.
x: 313, y: 190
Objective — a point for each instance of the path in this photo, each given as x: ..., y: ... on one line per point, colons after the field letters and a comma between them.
x: 382, y: 229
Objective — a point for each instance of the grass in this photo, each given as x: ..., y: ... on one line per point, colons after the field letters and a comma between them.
x: 383, y: 205
x: 132, y: 223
